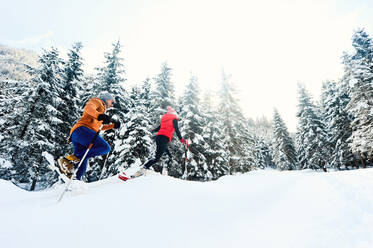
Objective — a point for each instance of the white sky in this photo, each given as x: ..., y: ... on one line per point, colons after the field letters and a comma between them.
x: 266, y: 46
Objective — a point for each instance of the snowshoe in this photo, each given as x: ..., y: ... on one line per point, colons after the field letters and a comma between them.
x: 66, y: 164
x: 141, y: 172
x: 54, y: 166
x: 123, y: 176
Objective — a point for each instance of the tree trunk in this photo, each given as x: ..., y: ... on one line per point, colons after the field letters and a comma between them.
x: 33, y: 184
x: 35, y: 179
x: 362, y: 161
x: 323, y: 167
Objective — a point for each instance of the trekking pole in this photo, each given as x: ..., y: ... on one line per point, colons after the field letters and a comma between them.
x: 185, y: 161
x: 106, y: 159
x: 81, y: 161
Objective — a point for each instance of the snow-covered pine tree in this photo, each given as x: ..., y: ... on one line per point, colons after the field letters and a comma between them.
x: 191, y: 124
x: 334, y: 100
x: 263, y: 157
x: 73, y: 71
x: 262, y: 130
x: 87, y: 89
x: 136, y: 144
x: 246, y: 142
x: 145, y: 94
x: 71, y: 79
x: 39, y: 126
x: 359, y: 74
x: 12, y: 97
x: 163, y: 94
x: 311, y: 137
x: 111, y: 80
x: 214, y: 149
x: 284, y: 154
x: 238, y: 140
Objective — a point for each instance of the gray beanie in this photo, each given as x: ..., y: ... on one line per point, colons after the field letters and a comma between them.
x: 106, y: 96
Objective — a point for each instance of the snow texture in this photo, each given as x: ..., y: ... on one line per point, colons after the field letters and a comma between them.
x: 258, y: 209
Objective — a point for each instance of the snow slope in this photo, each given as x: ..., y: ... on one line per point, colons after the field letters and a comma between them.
x: 257, y: 209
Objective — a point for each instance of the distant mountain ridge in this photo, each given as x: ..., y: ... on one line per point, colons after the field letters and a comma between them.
x: 13, y: 63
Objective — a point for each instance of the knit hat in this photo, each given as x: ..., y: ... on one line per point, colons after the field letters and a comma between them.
x: 171, y: 110
x: 106, y: 96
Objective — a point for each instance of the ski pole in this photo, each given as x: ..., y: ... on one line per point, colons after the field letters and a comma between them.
x: 186, y: 152
x: 185, y: 161
x: 106, y: 159
x: 81, y: 161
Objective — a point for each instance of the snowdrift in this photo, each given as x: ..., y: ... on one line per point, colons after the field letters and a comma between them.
x: 257, y: 209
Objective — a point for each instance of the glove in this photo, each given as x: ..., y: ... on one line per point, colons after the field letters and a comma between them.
x: 110, y: 131
x: 104, y: 118
x: 184, y: 141
x: 116, y: 124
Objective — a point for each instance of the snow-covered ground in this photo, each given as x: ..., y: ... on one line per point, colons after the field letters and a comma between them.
x: 257, y: 209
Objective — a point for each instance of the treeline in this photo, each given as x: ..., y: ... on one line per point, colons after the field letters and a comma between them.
x: 36, y: 116
x: 338, y: 131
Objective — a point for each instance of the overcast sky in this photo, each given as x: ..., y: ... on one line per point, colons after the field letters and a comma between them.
x: 266, y: 46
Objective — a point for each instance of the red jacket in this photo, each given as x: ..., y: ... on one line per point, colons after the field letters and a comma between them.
x: 167, y: 126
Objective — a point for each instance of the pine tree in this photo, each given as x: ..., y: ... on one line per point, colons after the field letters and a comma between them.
x: 214, y: 150
x: 145, y: 95
x: 359, y: 74
x: 111, y: 78
x: 111, y: 74
x: 163, y: 94
x: 263, y: 157
x: 192, y: 123
x: 335, y: 100
x: 136, y: 144
x: 239, y: 142
x: 39, y: 126
x: 312, y: 142
x: 88, y: 89
x: 12, y: 102
x: 71, y: 80
x: 262, y: 130
x: 284, y: 156
x: 73, y: 71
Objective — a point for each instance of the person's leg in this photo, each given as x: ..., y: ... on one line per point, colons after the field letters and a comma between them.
x: 81, y: 138
x: 79, y: 151
x: 168, y: 153
x: 100, y: 147
x: 161, y: 142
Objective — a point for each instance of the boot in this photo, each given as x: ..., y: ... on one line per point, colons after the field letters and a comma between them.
x: 67, y: 164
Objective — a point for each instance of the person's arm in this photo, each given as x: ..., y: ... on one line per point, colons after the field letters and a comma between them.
x: 176, y: 126
x: 114, y: 125
x: 157, y: 129
x: 107, y: 127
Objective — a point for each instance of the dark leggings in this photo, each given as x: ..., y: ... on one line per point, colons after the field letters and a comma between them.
x: 162, y: 142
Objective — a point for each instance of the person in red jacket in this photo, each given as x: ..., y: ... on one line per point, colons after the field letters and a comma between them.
x: 169, y: 125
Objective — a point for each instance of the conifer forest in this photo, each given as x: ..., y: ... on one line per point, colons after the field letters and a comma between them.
x: 40, y: 102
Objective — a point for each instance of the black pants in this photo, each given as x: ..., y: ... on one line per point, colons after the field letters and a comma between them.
x: 162, y: 142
